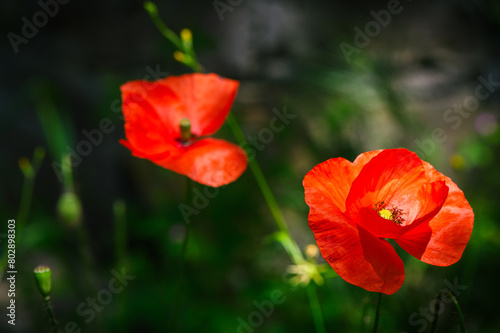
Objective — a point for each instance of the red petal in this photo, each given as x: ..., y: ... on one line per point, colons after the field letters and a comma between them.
x: 208, y: 161
x: 164, y: 105
x: 328, y: 183
x: 146, y: 134
x: 205, y: 99
x: 430, y: 198
x: 355, y: 254
x: 450, y: 229
x: 394, y: 176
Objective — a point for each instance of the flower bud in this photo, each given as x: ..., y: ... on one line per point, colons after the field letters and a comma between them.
x: 43, y: 280
x: 69, y: 208
x: 312, y: 251
x: 186, y: 35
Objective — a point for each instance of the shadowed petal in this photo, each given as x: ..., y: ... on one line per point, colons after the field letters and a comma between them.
x: 355, y: 254
x: 451, y: 227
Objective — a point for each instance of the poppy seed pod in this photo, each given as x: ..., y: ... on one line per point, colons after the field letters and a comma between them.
x: 43, y: 280
x: 69, y: 208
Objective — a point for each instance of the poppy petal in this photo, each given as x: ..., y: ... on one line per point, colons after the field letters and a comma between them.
x: 211, y: 162
x: 355, y: 254
x: 207, y: 99
x: 393, y: 177
x: 328, y: 183
x: 432, y: 196
x: 146, y: 133
x: 450, y: 229
x: 165, y: 103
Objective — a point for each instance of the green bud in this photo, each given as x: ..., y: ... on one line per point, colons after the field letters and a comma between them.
x: 150, y: 7
x: 69, y: 208
x: 43, y: 280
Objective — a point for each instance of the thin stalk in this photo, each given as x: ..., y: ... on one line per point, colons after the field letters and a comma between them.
x: 377, y: 313
x: 459, y: 312
x: 29, y: 170
x: 172, y: 36
x: 52, y: 317
x: 169, y: 34
x: 436, y: 314
x: 180, y: 278
x: 28, y: 185
x: 286, y: 240
x: 315, y: 308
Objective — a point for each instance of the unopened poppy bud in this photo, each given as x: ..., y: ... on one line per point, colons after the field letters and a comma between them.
x: 25, y: 166
x: 179, y: 56
x: 43, y: 280
x: 150, y: 7
x: 69, y: 208
x: 457, y: 162
x: 185, y: 126
x: 186, y: 35
x: 311, y: 251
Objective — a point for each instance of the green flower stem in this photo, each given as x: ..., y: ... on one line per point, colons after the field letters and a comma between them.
x: 52, y: 317
x: 459, y: 311
x: 284, y: 236
x: 169, y: 34
x: 28, y: 185
x: 377, y: 313
x: 29, y: 172
x: 315, y: 308
x: 183, y: 46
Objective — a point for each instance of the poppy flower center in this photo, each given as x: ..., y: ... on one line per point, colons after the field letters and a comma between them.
x: 185, y: 129
x: 389, y: 212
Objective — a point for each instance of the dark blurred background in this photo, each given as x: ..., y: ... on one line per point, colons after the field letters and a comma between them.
x: 412, y: 82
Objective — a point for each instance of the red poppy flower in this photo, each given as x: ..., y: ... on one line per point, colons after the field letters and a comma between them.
x: 385, y: 194
x: 155, y: 111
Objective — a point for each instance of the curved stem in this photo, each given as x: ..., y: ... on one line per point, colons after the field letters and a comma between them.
x: 459, y: 312
x: 377, y: 313
x: 285, y: 239
x: 171, y: 36
x: 315, y: 308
